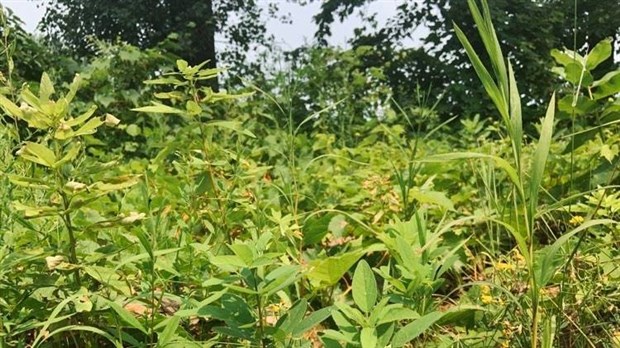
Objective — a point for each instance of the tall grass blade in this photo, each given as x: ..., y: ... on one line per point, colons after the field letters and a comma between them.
x: 540, y: 158
x: 516, y: 118
x: 483, y: 74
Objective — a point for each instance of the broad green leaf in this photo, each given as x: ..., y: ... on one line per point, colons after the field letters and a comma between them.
x: 227, y: 261
x: 350, y: 313
x: 337, y: 225
x: 390, y: 314
x: 82, y: 118
x: 368, y: 338
x: 10, y: 108
x: 609, y: 152
x: 564, y: 58
x: 415, y: 329
x: 599, y: 54
x: 38, y: 153
x: 127, y: 317
x: 193, y: 108
x: 364, y: 287
x: 244, y: 252
x: 89, y: 127
x: 158, y: 108
x: 182, y: 65
x: 607, y: 85
x: 327, y: 271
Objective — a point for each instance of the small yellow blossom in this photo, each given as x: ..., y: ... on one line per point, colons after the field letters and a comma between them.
x: 486, y: 299
x: 576, y: 220
x: 503, y: 266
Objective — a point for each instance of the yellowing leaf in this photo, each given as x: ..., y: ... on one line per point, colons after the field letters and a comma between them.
x: 609, y: 152
x: 46, y: 88
x: 38, y: 153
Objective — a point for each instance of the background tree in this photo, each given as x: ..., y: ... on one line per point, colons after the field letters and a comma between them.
x: 530, y: 29
x: 148, y: 23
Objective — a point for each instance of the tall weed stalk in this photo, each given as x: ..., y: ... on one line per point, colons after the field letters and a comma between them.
x: 500, y: 84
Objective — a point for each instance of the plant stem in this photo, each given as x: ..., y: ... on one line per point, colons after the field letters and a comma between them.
x: 66, y: 217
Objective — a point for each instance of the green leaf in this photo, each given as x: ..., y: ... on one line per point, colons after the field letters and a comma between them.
x: 182, y: 65
x: 431, y: 197
x: 540, y: 158
x: 10, y: 108
x: 564, y: 58
x: 168, y: 334
x: 75, y: 85
x: 72, y: 153
x: 280, y: 278
x: 547, y: 261
x: 415, y: 329
x: 28, y: 182
x: 350, y: 313
x: 192, y: 108
x: 38, y: 153
x: 289, y: 321
x: 609, y: 152
x: 364, y: 287
x: 232, y: 125
x: 109, y: 277
x: 607, y: 85
x: 35, y: 212
x: 390, y: 314
x: 368, y: 337
x: 311, y: 321
x: 599, y: 54
x: 133, y: 130
x: 326, y: 272
x: 82, y: 118
x: 89, y: 127
x: 158, y: 108
x: 127, y: 317
x: 337, y: 225
x: 46, y: 88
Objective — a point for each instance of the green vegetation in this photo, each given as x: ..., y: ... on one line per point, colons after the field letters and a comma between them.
x: 139, y: 207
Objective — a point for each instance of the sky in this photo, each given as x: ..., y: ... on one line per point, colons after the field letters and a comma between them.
x: 287, y: 36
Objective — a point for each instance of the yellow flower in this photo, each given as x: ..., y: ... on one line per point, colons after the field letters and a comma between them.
x: 486, y: 299
x: 503, y: 266
x: 576, y: 220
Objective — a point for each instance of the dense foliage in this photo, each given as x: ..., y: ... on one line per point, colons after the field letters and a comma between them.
x: 140, y: 208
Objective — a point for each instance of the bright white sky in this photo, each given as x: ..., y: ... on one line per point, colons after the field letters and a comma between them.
x: 287, y: 36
